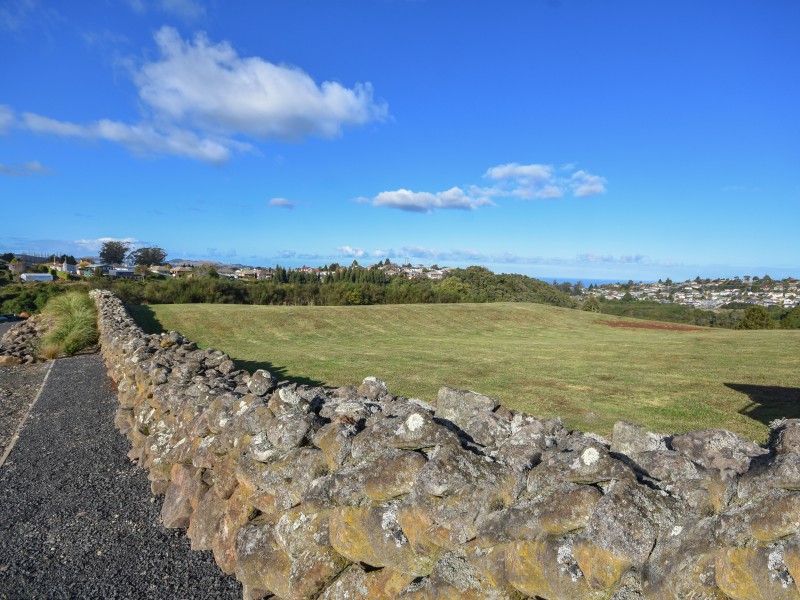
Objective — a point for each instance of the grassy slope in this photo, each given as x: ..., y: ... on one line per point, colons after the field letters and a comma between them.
x: 544, y: 360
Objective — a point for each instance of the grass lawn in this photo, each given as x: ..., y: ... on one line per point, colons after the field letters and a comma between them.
x: 544, y: 360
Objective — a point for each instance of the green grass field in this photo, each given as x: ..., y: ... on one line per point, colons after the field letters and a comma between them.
x: 544, y: 360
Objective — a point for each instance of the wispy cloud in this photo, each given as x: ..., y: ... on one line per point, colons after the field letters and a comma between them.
x: 14, y: 13
x: 140, y: 139
x: 624, y: 259
x: 281, y: 203
x: 200, y: 98
x: 6, y: 118
x: 104, y: 38
x: 189, y: 10
x: 465, y: 255
x: 28, y: 169
x: 511, y: 180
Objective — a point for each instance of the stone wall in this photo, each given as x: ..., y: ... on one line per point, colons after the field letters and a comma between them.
x: 306, y: 492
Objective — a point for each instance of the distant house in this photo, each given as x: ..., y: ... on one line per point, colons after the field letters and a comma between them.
x: 36, y: 277
x: 257, y: 273
x: 159, y: 270
x: 180, y: 271
x: 123, y: 272
x: 88, y: 270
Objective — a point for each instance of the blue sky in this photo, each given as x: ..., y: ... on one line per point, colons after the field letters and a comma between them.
x: 568, y: 139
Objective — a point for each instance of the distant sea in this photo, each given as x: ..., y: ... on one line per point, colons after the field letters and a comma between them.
x: 588, y: 282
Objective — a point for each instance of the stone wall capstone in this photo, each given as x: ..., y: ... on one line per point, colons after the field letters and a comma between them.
x: 355, y: 493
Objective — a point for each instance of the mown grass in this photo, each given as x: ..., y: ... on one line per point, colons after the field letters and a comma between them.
x: 75, y: 324
x: 544, y: 360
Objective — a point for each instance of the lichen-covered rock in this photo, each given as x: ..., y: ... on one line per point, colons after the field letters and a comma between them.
x: 683, y: 563
x: 631, y: 439
x: 205, y: 521
x: 372, y: 536
x: 785, y: 436
x: 335, y: 440
x: 621, y: 532
x: 408, y: 427
x: 755, y: 574
x: 357, y: 584
x: 183, y: 495
x: 372, y: 388
x: 545, y: 569
x: 287, y: 555
x: 563, y: 509
x: 459, y: 406
x: 454, y: 578
x: 261, y: 382
x: 584, y: 460
x: 718, y: 449
x: 777, y: 516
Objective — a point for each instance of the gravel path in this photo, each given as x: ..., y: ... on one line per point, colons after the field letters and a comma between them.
x: 18, y: 387
x: 77, y: 519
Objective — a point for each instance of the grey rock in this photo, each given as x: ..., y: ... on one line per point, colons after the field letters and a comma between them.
x: 459, y: 406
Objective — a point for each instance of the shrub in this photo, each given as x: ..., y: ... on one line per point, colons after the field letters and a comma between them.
x: 75, y: 326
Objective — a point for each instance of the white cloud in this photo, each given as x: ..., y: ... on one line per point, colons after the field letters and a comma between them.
x: 95, y: 244
x: 534, y: 181
x: 6, y: 118
x: 281, y: 203
x: 351, y: 252
x: 454, y: 198
x: 537, y: 181
x: 211, y: 87
x: 33, y: 167
x: 199, y: 97
x: 526, y: 181
x: 533, y: 173
x: 585, y: 184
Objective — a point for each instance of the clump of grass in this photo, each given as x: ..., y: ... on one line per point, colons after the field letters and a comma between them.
x: 50, y: 351
x: 75, y: 326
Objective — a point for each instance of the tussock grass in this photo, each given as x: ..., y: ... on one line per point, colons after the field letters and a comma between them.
x: 75, y: 327
x: 545, y: 360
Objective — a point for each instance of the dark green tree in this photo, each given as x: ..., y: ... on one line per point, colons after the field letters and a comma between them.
x: 591, y: 304
x: 791, y: 320
x: 148, y: 256
x: 755, y: 317
x: 114, y: 252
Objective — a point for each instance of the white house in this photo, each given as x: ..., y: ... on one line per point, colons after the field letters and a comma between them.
x: 36, y: 277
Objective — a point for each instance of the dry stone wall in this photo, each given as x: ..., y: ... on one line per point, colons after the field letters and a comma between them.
x: 307, y: 492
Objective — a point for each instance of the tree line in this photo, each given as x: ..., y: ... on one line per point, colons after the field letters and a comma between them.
x: 346, y: 286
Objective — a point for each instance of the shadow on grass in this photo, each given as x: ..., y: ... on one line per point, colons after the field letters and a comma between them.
x: 276, y: 371
x: 769, y: 402
x: 146, y: 318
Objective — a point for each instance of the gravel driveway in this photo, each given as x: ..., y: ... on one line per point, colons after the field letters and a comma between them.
x: 77, y: 519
